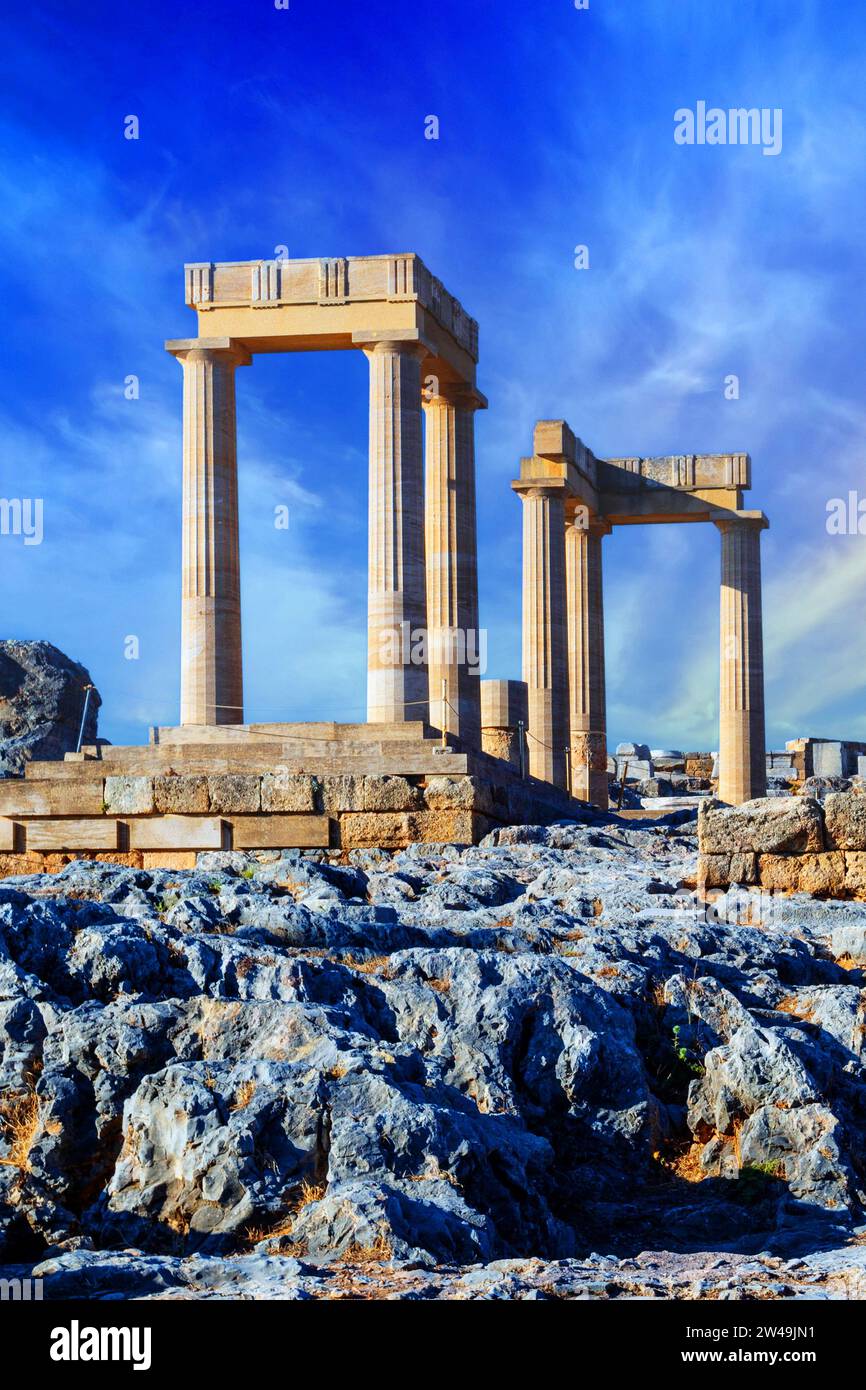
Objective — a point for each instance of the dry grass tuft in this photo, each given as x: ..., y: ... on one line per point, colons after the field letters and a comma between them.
x: 378, y: 1253
x: 441, y: 986
x: 377, y: 965
x: 243, y: 1095
x: 791, y: 1005
x: 19, y: 1121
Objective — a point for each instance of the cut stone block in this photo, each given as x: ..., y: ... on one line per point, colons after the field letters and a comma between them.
x: 129, y: 796
x: 803, y: 873
x: 169, y: 859
x: 855, y: 874
x: 176, y: 832
x: 769, y: 825
x: 504, y: 704
x: 7, y: 835
x: 639, y: 751
x: 234, y: 794
x: 96, y: 833
x: 181, y: 795
x: 383, y: 830
x: 342, y: 794
x: 827, y: 759
x: 19, y: 798
x: 861, y: 767
x: 845, y: 820
x: 288, y: 791
x: 391, y: 794
x: 280, y: 832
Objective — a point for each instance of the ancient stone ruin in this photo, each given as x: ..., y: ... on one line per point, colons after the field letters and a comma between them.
x: 443, y: 755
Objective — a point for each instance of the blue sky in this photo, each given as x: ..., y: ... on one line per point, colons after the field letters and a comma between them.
x: 262, y: 127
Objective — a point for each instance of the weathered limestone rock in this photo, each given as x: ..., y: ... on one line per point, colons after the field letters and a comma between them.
x: 129, y: 796
x: 288, y: 791
x: 767, y: 825
x: 179, y: 795
x: 42, y: 694
x: 819, y: 874
x: 232, y: 794
x: 845, y: 820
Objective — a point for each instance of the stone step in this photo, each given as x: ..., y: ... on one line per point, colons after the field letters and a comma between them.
x: 106, y: 833
x: 328, y: 731
x: 409, y: 760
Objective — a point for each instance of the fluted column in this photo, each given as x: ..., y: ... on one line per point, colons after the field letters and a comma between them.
x: 396, y: 594
x: 742, y: 754
x: 545, y: 667
x: 211, y: 682
x: 452, y: 563
x: 586, y: 679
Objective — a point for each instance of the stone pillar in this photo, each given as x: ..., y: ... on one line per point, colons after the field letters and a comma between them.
x: 586, y: 681
x: 454, y: 651
x: 211, y: 679
x: 545, y: 656
x: 742, y: 757
x: 396, y: 593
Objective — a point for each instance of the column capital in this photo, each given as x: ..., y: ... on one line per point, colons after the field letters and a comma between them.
x: 230, y: 350
x: 458, y: 394
x: 595, y: 526
x: 527, y: 488
x: 376, y: 342
x: 747, y: 520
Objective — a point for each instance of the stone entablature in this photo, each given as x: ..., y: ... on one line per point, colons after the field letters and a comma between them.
x: 786, y: 845
x: 328, y: 283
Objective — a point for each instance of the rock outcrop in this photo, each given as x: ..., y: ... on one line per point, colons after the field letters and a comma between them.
x: 42, y: 696
x: 526, y: 1051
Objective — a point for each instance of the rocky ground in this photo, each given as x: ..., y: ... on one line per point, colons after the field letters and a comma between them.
x: 533, y: 1069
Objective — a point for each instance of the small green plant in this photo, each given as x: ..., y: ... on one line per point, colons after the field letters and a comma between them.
x: 248, y: 872
x: 165, y: 904
x: 215, y: 886
x: 684, y: 1055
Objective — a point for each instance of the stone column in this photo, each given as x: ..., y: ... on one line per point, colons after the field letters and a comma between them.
x: 586, y: 681
x: 211, y: 678
x: 396, y: 594
x: 742, y: 756
x: 454, y: 651
x: 545, y: 656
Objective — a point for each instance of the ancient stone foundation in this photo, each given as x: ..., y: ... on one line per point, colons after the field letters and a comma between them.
x: 788, y: 845
x: 261, y: 787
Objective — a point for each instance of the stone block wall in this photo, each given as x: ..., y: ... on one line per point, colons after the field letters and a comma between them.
x: 788, y: 845
x: 164, y: 820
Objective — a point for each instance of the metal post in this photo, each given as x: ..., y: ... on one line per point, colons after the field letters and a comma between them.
x: 87, y: 690
x: 444, y: 711
x: 568, y: 785
x: 522, y: 746
x: 622, y: 785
